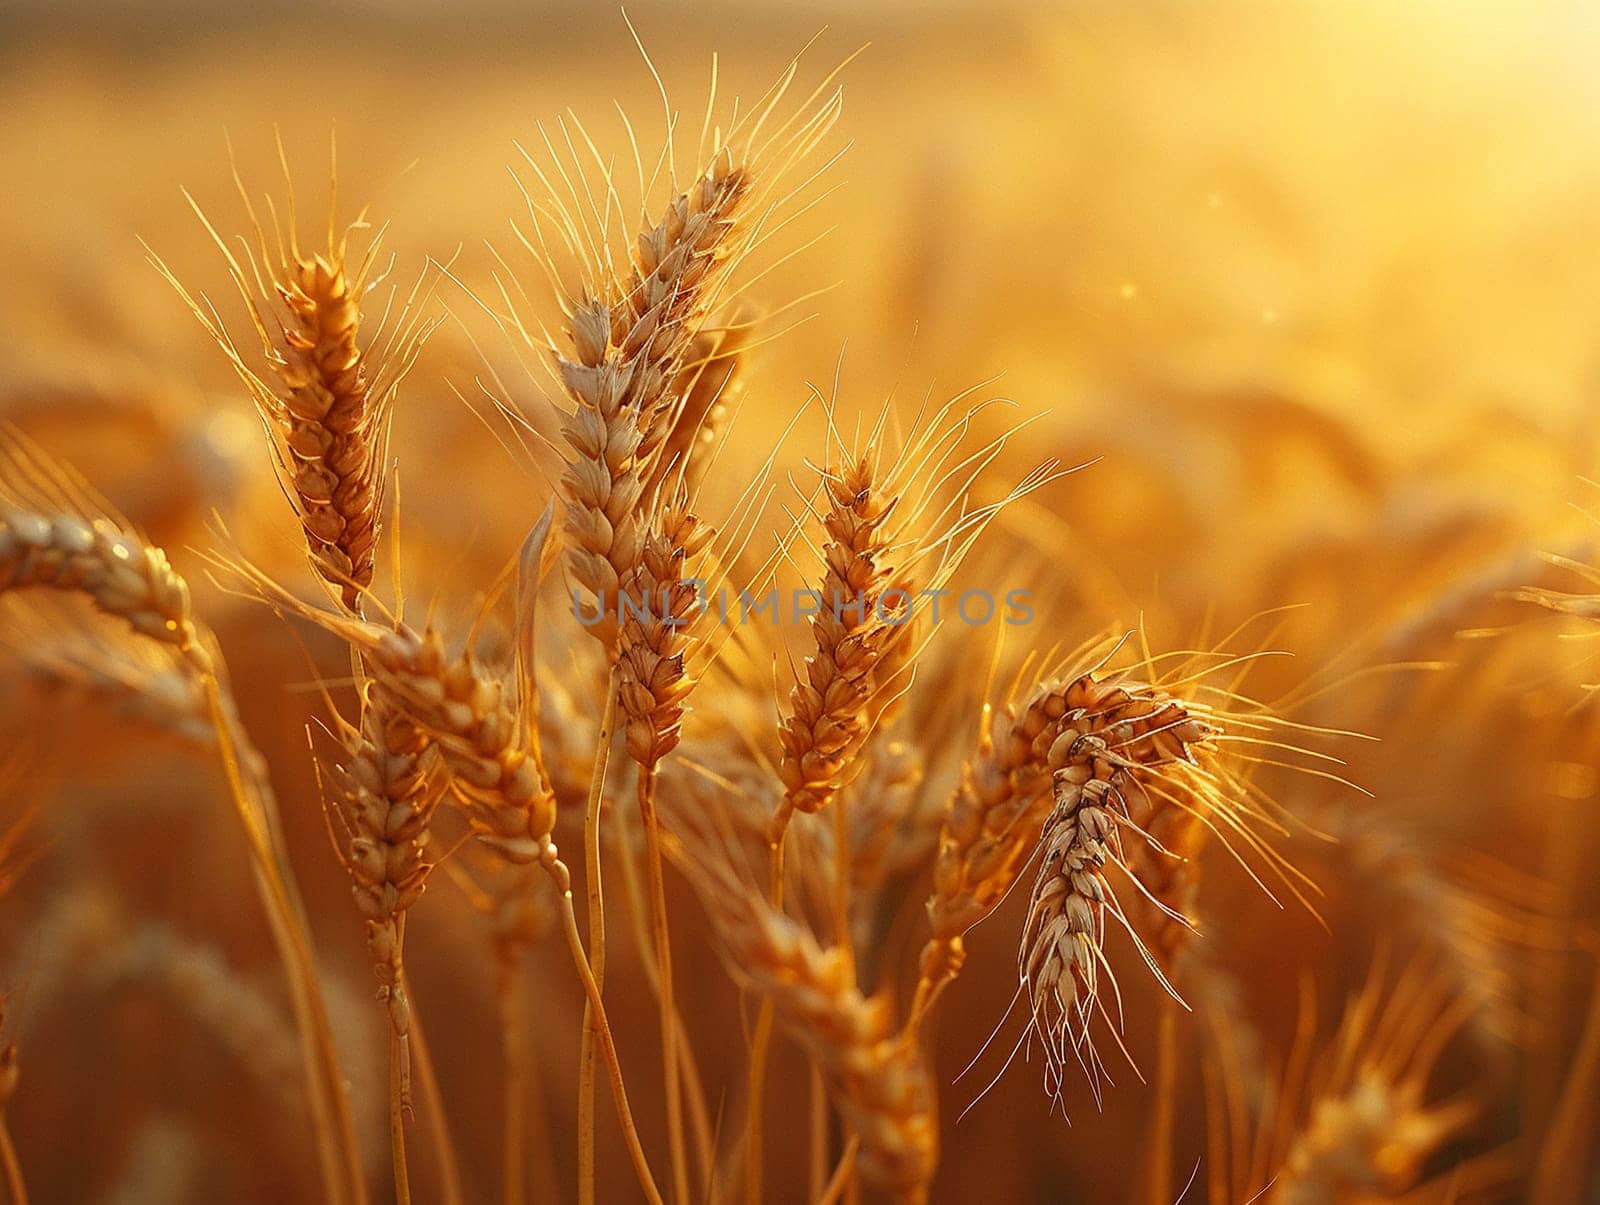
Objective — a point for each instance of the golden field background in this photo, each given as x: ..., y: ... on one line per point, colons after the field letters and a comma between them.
x: 1313, y: 284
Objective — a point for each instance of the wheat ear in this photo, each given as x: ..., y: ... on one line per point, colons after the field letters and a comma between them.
x: 829, y: 711
x: 877, y: 1075
x: 1031, y: 771
x: 1361, y: 1124
x: 383, y: 806
x: 325, y: 399
x: 135, y: 679
x: 1109, y: 739
x: 466, y: 710
x: 326, y: 404
x: 629, y: 346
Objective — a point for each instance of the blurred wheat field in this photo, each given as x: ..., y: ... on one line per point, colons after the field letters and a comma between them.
x: 1305, y: 296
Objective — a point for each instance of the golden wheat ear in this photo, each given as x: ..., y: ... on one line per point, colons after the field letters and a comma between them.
x: 897, y: 520
x: 323, y: 387
x: 1101, y: 771
x: 876, y: 1074
x: 652, y: 324
x: 1357, y: 1118
x: 68, y: 649
x: 57, y: 533
x: 469, y: 713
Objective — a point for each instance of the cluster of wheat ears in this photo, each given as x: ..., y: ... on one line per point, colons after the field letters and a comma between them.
x: 599, y: 734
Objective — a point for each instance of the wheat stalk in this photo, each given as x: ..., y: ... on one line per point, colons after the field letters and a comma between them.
x: 10, y: 1078
x: 56, y: 534
x: 477, y: 725
x: 629, y: 366
x: 653, y: 682
x: 629, y: 346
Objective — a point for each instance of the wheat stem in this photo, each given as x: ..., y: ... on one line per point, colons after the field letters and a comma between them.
x: 690, y: 1083
x: 1161, y: 1125
x: 438, y: 1119
x: 1562, y: 1154
x: 515, y: 1047
x: 597, y: 943
x: 843, y: 1174
x: 341, y: 1163
x: 602, y: 1031
x: 761, y: 1039
x: 397, y: 1120
x: 841, y: 879
x: 818, y: 1154
x: 666, y: 1003
x: 11, y: 1166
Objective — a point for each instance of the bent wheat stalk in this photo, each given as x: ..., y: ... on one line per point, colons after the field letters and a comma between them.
x: 326, y: 404
x: 55, y: 534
